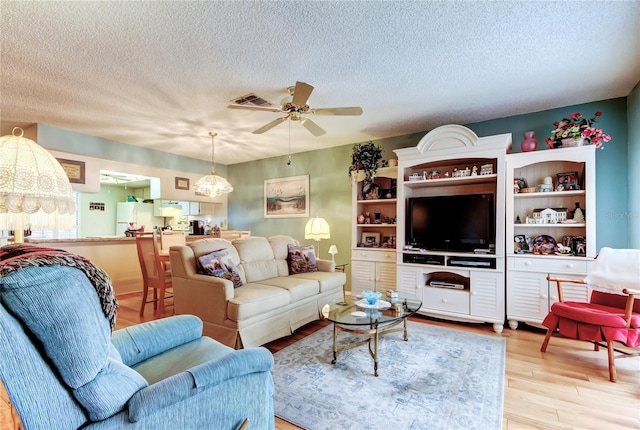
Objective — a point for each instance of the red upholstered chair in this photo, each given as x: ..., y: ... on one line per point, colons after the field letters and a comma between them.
x: 613, y: 312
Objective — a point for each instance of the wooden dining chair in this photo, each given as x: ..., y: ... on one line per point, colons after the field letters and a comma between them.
x: 154, y: 274
x: 169, y: 238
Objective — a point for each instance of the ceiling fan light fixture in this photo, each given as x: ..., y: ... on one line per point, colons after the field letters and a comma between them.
x: 212, y: 185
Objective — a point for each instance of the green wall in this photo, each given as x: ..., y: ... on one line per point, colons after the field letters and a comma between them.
x: 330, y: 188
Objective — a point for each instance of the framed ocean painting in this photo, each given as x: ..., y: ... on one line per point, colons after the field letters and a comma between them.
x: 286, y: 197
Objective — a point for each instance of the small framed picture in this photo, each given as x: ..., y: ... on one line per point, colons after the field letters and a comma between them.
x: 568, y: 181
x: 74, y: 170
x: 182, y: 183
x: 370, y: 239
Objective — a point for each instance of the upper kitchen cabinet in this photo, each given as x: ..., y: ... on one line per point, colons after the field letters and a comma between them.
x: 198, y: 208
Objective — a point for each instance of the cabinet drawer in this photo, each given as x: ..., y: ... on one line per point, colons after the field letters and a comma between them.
x: 547, y: 265
x: 371, y: 255
x: 443, y: 299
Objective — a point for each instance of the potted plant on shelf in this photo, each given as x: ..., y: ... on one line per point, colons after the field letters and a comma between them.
x: 365, y: 157
x: 577, y: 131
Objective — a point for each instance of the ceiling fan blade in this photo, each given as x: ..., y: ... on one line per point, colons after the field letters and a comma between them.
x: 269, y: 126
x: 263, y: 109
x: 312, y: 127
x: 301, y: 93
x: 355, y: 110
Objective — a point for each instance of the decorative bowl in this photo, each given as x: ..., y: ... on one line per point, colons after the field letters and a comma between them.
x: 371, y: 296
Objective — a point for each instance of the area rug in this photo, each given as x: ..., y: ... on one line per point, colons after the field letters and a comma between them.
x: 441, y: 378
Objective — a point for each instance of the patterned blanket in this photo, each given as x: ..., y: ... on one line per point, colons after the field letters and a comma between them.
x: 18, y: 256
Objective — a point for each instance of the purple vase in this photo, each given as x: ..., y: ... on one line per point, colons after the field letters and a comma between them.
x: 529, y: 143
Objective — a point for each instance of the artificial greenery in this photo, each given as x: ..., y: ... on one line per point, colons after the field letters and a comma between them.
x: 365, y: 157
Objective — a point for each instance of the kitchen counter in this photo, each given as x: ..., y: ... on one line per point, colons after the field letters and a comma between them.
x: 117, y: 255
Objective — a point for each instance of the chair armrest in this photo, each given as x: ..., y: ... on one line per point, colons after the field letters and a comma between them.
x: 559, y: 282
x: 628, y: 310
x: 326, y: 265
x: 193, y: 381
x: 139, y: 342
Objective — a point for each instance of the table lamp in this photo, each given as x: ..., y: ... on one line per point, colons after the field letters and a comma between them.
x: 333, y: 250
x: 35, y: 192
x: 317, y: 228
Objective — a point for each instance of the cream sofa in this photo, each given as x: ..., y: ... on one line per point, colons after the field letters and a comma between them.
x: 269, y: 305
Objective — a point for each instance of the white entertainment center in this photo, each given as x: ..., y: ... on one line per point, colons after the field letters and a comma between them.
x: 463, y: 284
x: 499, y: 220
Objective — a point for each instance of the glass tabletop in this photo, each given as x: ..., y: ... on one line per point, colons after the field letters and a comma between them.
x: 353, y: 310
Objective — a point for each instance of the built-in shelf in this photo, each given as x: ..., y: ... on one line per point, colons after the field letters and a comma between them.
x: 381, y: 201
x: 549, y: 225
x: 549, y: 194
x: 478, y: 179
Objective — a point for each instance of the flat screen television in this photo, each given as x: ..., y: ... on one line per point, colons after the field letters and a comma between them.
x: 461, y: 223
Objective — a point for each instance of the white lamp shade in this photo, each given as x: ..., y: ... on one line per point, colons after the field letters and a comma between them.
x: 317, y: 228
x: 333, y: 250
x: 34, y: 189
x: 212, y: 186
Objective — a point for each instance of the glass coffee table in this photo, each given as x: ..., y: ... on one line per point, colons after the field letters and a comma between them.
x: 353, y: 314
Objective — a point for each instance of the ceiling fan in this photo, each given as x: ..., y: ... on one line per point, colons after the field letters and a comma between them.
x: 297, y: 109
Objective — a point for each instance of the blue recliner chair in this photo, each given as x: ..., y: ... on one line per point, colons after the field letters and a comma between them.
x: 64, y: 368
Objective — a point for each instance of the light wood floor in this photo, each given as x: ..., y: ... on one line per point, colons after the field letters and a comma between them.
x: 565, y: 388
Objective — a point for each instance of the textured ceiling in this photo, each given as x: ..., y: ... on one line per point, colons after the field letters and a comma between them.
x: 161, y: 74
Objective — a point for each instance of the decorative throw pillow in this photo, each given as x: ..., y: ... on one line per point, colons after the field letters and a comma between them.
x: 301, y: 259
x: 219, y: 264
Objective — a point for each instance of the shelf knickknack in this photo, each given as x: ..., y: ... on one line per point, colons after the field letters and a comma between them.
x: 365, y: 157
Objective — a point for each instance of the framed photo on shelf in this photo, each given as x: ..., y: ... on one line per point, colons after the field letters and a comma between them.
x: 286, y: 197
x: 568, y: 181
x: 370, y: 239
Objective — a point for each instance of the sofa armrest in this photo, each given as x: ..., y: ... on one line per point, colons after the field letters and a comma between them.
x: 197, y: 294
x: 326, y: 265
x: 193, y: 381
x: 142, y: 341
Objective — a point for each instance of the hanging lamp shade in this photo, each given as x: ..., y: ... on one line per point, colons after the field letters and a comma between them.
x: 212, y: 185
x: 35, y: 192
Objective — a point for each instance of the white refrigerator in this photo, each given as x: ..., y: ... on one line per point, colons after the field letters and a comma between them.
x: 139, y: 213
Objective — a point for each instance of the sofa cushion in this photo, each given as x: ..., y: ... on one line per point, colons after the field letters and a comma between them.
x: 181, y: 358
x: 256, y: 299
x: 256, y: 258
x: 202, y: 247
x: 279, y: 244
x: 299, y: 288
x: 301, y: 259
x: 220, y: 264
x: 328, y: 280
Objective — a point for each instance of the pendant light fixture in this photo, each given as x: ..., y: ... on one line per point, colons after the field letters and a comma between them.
x: 212, y: 185
x: 289, y: 161
x: 35, y: 192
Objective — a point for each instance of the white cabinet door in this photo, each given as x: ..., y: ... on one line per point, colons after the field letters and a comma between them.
x: 207, y: 209
x: 408, y: 281
x: 527, y: 296
x: 362, y: 276
x: 487, y: 295
x: 385, y: 276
